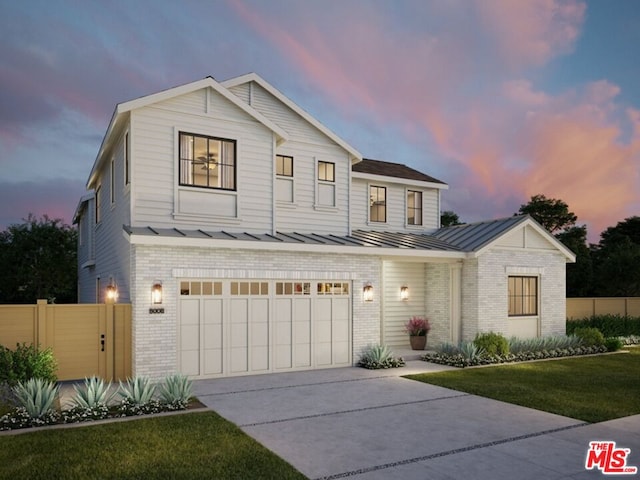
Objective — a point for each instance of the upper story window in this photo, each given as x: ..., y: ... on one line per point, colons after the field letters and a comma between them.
x: 98, y: 203
x: 377, y: 204
x: 207, y: 162
x: 523, y: 296
x: 326, y: 192
x: 284, y: 166
x: 326, y: 171
x: 127, y: 166
x: 112, y: 181
x: 414, y: 208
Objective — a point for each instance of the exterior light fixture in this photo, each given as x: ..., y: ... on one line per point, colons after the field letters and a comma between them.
x: 156, y: 292
x: 112, y: 292
x: 404, y: 293
x: 367, y: 293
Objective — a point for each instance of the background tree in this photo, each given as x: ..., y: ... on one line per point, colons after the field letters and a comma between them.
x: 449, y: 218
x: 38, y: 259
x: 617, y: 260
x: 553, y: 214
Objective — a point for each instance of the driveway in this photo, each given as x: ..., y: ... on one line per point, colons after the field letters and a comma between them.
x: 372, y: 424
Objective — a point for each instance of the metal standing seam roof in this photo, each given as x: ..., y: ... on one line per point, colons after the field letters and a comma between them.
x: 460, y: 238
x: 473, y: 236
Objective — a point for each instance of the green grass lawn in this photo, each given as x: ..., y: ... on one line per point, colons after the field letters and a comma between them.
x: 593, y: 389
x: 189, y: 446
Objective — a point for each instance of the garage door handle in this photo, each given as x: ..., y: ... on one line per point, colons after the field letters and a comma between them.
x: 102, y: 342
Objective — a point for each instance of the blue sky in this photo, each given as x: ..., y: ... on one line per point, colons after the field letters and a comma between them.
x: 500, y: 99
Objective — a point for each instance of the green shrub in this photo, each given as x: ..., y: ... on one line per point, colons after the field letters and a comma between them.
x: 610, y: 325
x: 541, y: 344
x: 26, y: 362
x: 36, y: 396
x: 590, y: 336
x: 613, y: 344
x: 492, y: 343
x: 175, y: 391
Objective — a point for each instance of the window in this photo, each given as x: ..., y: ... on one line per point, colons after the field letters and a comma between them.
x: 284, y: 166
x: 207, y: 162
x: 523, y: 296
x: 414, y: 208
x: 98, y: 203
x: 127, y: 167
x: 326, y: 171
x: 112, y: 182
x: 377, y: 204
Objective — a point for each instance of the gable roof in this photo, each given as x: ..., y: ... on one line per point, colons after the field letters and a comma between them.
x: 122, y: 109
x: 254, y: 77
x: 477, y: 237
x: 396, y: 170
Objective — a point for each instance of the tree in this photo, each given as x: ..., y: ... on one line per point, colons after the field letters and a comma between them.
x: 551, y: 213
x: 38, y: 259
x: 449, y: 218
x: 580, y: 273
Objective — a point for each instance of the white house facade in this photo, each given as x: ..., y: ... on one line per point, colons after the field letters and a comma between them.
x: 251, y: 239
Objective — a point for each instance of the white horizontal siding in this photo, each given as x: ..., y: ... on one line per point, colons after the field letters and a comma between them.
x: 154, y: 161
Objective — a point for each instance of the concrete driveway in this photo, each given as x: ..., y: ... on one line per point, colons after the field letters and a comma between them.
x: 363, y: 424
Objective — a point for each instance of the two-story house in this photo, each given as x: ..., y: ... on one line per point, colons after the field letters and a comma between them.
x: 249, y: 238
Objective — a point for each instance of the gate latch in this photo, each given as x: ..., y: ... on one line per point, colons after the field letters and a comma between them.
x: 102, y: 342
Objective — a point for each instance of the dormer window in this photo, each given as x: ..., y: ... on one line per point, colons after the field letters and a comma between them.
x: 207, y: 162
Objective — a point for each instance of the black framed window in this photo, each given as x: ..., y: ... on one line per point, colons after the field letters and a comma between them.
x: 377, y: 204
x: 326, y: 171
x: 414, y: 208
x: 523, y: 296
x: 284, y: 166
x: 207, y: 162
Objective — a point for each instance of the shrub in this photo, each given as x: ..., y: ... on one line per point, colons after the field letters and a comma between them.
x: 471, y: 351
x: 539, y: 344
x: 492, y: 343
x: 36, y: 396
x: 26, y: 362
x: 417, y: 326
x: 137, y: 397
x: 609, y: 325
x: 590, y: 336
x: 613, y: 344
x: 376, y: 357
x: 175, y: 392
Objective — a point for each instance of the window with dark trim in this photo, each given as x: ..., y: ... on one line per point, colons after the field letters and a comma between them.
x: 414, y: 208
x: 284, y: 166
x: 523, y: 296
x: 127, y: 166
x: 326, y: 171
x: 112, y: 182
x: 377, y: 204
x: 98, y: 203
x: 207, y: 162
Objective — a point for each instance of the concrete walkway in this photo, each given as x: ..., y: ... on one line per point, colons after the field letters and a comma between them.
x: 364, y: 424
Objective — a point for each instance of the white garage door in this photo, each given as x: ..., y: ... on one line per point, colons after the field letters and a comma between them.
x: 229, y: 327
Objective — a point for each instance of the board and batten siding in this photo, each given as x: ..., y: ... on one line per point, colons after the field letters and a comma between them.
x: 396, y: 312
x: 158, y: 199
x: 396, y: 207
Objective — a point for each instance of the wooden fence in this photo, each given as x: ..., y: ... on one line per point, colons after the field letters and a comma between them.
x: 86, y: 339
x: 578, y: 308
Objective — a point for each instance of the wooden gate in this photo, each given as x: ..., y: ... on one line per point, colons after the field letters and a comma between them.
x: 86, y: 339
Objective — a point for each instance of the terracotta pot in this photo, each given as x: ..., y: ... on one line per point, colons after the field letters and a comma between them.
x: 418, y: 342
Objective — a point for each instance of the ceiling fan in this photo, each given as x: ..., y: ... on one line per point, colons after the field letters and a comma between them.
x: 208, y: 162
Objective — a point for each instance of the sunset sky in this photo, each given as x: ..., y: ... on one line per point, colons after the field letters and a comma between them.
x: 500, y: 99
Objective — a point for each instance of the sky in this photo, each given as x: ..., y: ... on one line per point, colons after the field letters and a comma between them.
x: 501, y: 99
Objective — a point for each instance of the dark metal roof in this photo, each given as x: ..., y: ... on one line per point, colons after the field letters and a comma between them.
x: 460, y: 238
x: 389, y: 169
x: 473, y: 236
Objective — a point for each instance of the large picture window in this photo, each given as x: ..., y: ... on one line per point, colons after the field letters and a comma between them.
x: 523, y: 296
x: 377, y: 204
x: 414, y: 208
x: 207, y: 162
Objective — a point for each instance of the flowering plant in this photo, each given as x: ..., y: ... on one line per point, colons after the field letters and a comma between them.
x: 417, y: 326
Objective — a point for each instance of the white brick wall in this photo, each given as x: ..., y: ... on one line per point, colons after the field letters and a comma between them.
x: 155, y: 335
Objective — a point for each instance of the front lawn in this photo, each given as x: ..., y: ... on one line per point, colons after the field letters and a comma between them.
x: 185, y: 446
x: 593, y: 389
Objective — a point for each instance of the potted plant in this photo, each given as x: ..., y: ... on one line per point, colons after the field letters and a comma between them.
x: 417, y: 328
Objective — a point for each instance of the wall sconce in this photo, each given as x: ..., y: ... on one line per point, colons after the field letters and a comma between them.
x: 156, y: 292
x: 112, y: 292
x: 404, y: 293
x: 367, y: 293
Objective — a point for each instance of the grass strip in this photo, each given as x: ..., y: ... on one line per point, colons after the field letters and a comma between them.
x: 593, y: 389
x: 187, y: 446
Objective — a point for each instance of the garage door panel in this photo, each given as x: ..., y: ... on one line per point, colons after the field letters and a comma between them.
x: 239, y: 336
x: 260, y: 359
x: 323, y: 354
x: 302, y: 333
x: 190, y: 362
x: 238, y: 360
x: 302, y: 356
x: 282, y: 356
x: 213, y: 361
x: 259, y: 334
x: 322, y: 310
x: 341, y: 353
x: 323, y: 332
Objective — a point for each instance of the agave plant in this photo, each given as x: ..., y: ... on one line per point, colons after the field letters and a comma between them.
x: 137, y: 390
x: 379, y: 356
x: 175, y: 390
x: 470, y: 351
x: 36, y: 396
x: 94, y: 394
